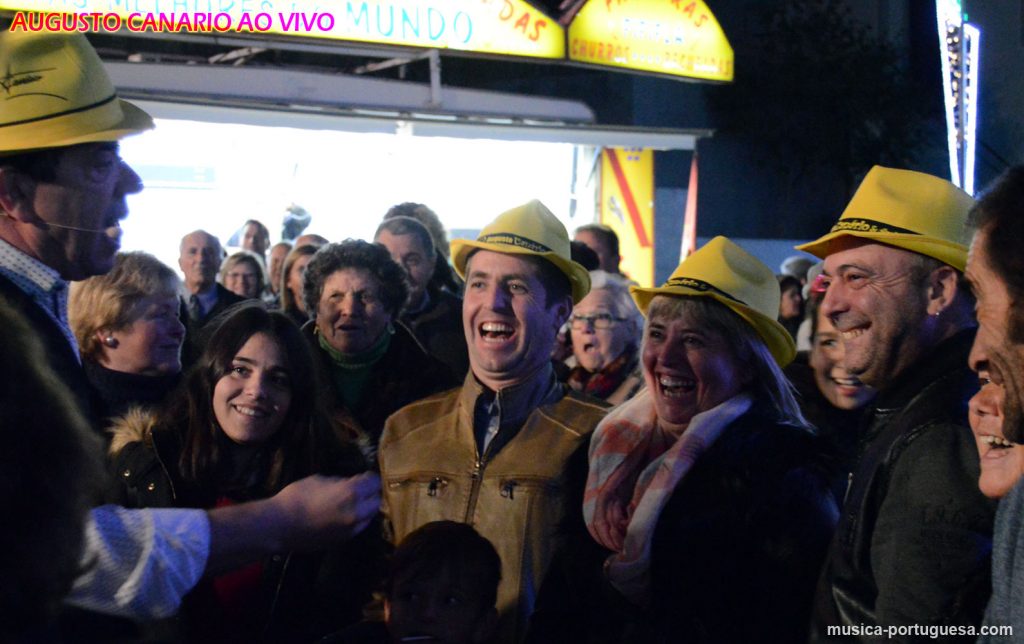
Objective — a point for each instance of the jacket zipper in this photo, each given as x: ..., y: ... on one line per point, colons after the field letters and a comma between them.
x: 167, y: 472
x: 277, y: 592
x: 476, y: 478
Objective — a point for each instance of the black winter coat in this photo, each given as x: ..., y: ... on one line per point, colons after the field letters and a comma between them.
x: 737, y: 549
x: 734, y: 557
x: 115, y: 392
x: 404, y: 374
x: 300, y: 597
x: 439, y: 330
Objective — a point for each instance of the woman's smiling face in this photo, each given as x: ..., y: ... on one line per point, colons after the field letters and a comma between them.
x: 828, y: 360
x: 352, y: 315
x: 1002, y: 462
x: 251, y: 401
x: 688, y: 367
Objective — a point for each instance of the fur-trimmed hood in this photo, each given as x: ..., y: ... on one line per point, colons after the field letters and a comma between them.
x: 136, y: 426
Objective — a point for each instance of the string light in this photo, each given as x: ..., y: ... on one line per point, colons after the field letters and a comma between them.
x: 959, y: 49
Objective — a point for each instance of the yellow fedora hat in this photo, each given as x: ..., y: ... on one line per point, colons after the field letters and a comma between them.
x: 733, y: 277
x: 530, y: 229
x: 906, y: 209
x: 55, y: 93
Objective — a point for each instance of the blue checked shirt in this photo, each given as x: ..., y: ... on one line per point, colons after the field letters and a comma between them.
x: 43, y: 284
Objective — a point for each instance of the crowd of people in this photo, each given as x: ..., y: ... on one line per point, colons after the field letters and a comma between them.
x: 501, y: 439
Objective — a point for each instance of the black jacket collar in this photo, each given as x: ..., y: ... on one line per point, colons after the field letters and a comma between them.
x: 949, y: 356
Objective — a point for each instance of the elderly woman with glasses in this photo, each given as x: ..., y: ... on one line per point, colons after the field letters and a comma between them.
x: 605, y: 341
x: 705, y: 488
x: 243, y: 274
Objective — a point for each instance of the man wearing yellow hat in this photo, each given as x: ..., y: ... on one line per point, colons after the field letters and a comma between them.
x: 62, y: 195
x: 912, y: 545
x: 502, y: 451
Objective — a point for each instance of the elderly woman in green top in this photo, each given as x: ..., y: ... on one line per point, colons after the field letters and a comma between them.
x: 355, y: 293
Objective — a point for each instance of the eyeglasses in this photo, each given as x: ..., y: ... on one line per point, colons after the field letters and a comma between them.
x: 599, y: 321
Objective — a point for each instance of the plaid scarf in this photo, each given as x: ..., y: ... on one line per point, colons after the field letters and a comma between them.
x: 634, y: 468
x: 603, y: 383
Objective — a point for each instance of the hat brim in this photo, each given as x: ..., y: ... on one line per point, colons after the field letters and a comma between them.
x: 947, y: 252
x: 779, y: 342
x: 579, y: 278
x: 96, y: 125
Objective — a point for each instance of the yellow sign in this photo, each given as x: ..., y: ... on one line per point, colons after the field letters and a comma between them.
x: 508, y: 27
x: 675, y: 37
x: 627, y: 206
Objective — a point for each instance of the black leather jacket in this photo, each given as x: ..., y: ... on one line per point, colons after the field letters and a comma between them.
x: 914, y: 539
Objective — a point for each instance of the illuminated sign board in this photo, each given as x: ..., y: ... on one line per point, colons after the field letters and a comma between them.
x: 674, y: 37
x: 627, y: 207
x: 505, y: 27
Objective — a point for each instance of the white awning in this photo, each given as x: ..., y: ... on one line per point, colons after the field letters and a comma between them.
x: 309, y: 100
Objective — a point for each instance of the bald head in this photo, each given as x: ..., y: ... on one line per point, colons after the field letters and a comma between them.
x: 199, y: 259
x: 310, y: 240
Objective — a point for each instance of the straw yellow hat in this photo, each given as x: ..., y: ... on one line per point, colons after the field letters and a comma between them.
x: 55, y: 93
x: 530, y: 229
x: 906, y: 209
x: 733, y: 277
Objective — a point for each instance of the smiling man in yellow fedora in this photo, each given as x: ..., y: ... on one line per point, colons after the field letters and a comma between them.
x: 502, y: 451
x: 63, y: 189
x: 913, y: 541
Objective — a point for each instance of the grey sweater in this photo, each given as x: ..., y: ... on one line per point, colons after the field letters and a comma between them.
x: 1006, y: 606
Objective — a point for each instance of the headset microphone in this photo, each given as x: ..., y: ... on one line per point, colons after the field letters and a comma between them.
x: 112, y: 232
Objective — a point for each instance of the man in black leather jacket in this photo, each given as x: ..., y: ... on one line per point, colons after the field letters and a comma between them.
x: 911, y: 551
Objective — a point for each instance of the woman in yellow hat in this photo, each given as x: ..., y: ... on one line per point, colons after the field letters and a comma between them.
x: 705, y: 486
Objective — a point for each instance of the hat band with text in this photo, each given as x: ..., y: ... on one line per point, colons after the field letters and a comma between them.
x: 75, y: 110
x: 509, y: 239
x: 869, y: 226
x: 701, y: 285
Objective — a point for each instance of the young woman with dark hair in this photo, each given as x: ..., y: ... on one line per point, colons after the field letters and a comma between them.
x: 246, y: 422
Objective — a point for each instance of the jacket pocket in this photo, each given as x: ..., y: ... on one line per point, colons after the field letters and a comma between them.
x: 535, y: 502
x: 526, y: 488
x: 416, y: 500
x: 527, y: 515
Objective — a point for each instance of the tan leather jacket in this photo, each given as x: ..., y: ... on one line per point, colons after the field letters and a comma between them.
x: 516, y: 498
